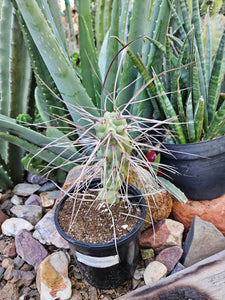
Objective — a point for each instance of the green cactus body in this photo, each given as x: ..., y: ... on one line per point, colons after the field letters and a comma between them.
x: 113, y: 152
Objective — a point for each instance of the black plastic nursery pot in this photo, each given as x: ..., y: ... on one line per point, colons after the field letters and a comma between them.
x: 107, y: 266
x: 200, y: 168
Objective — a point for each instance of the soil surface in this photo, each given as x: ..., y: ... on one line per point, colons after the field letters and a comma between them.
x: 94, y: 221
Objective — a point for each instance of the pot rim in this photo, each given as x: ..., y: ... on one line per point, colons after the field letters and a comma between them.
x: 198, y: 150
x: 102, y: 245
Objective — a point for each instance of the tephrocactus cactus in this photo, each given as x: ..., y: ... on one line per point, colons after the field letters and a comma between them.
x: 114, y: 151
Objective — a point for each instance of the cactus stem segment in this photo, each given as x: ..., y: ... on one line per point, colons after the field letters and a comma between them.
x: 115, y: 148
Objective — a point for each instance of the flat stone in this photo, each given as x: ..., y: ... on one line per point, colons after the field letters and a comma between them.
x: 9, y: 273
x: 3, y: 244
x: 23, y: 277
x: 5, y: 196
x: 29, y: 249
x: 31, y: 213
x: 92, y: 293
x: 6, y: 205
x: 154, y: 271
x: 18, y: 262
x: 16, y: 200
x: 76, y: 295
x: 9, y: 291
x: 35, y: 179
x: 52, y: 277
x: 10, y: 250
x: 179, y: 267
x: 25, y: 189
x: 208, y: 210
x: 7, y: 262
x: 170, y: 257
x: 46, y: 232
x: 26, y: 267
x: 202, y: 241
x: 33, y: 200
x: 48, y: 186
x: 2, y: 270
x: 48, y: 198
x: 166, y: 233
x: 13, y: 226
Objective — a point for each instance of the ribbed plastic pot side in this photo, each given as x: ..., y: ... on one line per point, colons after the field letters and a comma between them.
x: 199, y: 168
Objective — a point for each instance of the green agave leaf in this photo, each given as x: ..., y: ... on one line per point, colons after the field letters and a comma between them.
x: 62, y: 72
x: 99, y: 21
x: 107, y: 15
x: 34, y: 137
x: 35, y: 151
x: 91, y: 78
x: 103, y: 57
x: 137, y: 28
x: 50, y: 102
x: 51, y: 10
x: 112, y: 50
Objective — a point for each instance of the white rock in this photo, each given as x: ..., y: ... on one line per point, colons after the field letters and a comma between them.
x: 138, y: 274
x: 154, y: 271
x: 25, y: 189
x: 52, y: 277
x: 13, y: 226
x: 16, y: 200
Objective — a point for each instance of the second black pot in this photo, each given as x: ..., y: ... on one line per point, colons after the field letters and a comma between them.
x: 106, y: 266
x: 200, y: 168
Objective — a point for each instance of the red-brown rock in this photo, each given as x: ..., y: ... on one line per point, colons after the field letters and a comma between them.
x: 170, y: 257
x: 30, y: 249
x: 10, y: 250
x: 208, y: 210
x: 166, y: 233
